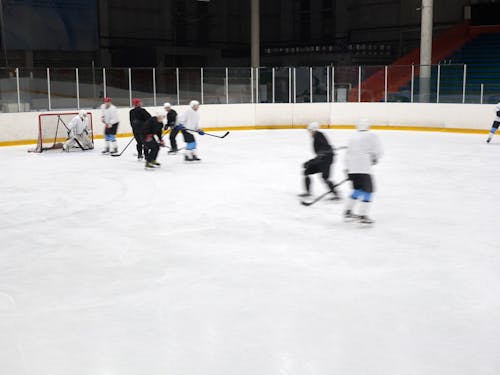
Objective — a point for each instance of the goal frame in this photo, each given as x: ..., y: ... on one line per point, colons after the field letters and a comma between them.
x: 58, y: 141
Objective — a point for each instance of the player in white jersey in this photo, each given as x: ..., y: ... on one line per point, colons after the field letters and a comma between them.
x: 110, y: 119
x: 363, y: 151
x: 79, y: 133
x: 496, y: 123
x: 189, y: 122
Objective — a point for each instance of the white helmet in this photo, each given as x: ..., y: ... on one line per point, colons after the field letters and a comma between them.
x: 313, y: 126
x: 194, y: 103
x: 82, y: 114
x: 364, y: 124
x: 167, y: 105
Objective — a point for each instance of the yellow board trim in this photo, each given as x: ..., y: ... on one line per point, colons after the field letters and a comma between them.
x: 278, y: 127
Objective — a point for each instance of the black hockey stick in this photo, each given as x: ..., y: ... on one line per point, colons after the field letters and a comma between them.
x: 128, y: 144
x: 307, y: 204
x: 340, y: 148
x: 211, y: 135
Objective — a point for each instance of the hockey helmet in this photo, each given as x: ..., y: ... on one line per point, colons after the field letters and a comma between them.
x: 82, y: 114
x: 107, y: 99
x: 313, y: 126
x: 194, y: 103
x: 167, y: 105
x: 136, y: 102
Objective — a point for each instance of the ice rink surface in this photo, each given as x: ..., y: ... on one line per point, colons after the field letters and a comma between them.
x: 215, y: 268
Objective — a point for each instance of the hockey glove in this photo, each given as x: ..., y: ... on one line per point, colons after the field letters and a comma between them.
x: 181, y: 127
x: 201, y: 132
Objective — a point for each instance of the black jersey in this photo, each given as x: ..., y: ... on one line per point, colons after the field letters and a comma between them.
x: 138, y: 116
x: 152, y: 127
x: 321, y: 145
x: 171, y: 118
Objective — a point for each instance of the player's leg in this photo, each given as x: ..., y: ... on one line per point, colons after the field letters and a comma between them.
x: 493, y: 130
x: 107, y: 140
x: 86, y: 141
x: 69, y: 144
x: 173, y: 141
x: 138, y: 141
x: 114, y: 144
x: 325, y: 174
x: 310, y: 167
x: 190, y: 145
x: 153, y: 153
x: 357, y: 193
x: 367, y: 189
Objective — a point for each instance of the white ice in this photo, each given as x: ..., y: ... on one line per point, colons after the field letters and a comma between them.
x: 215, y: 268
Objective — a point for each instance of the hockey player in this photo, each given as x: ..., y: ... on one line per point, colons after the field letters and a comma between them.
x: 138, y: 116
x: 79, y: 133
x: 189, y: 122
x: 170, y: 123
x: 363, y: 151
x: 496, y: 124
x: 110, y: 119
x: 152, y: 138
x: 322, y: 163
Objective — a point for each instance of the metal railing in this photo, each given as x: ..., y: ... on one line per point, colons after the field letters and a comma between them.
x: 46, y: 89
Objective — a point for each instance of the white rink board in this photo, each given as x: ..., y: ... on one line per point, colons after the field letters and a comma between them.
x: 215, y: 268
x: 23, y: 126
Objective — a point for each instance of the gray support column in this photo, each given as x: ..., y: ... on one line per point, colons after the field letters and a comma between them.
x: 255, y: 31
x: 359, y: 84
x: 252, y: 84
x: 18, y: 86
x: 154, y: 87
x: 289, y: 85
x: 438, y: 85
x: 327, y: 84
x: 257, y: 96
x: 412, y: 81
x: 48, y: 89
x: 426, y: 50
x: 294, y: 85
x: 311, y: 84
x: 333, y: 84
x: 482, y: 92
x: 386, y: 83
x: 77, y: 78
x: 105, y: 93
x: 465, y: 84
x: 274, y: 85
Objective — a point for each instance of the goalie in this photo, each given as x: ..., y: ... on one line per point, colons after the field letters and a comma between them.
x: 79, y: 133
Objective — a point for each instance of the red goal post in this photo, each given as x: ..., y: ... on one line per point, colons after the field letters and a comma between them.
x: 52, y: 129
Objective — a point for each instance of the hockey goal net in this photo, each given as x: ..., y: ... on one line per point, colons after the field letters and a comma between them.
x: 53, y: 130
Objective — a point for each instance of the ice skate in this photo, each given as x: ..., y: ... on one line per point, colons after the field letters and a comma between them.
x: 349, y: 216
x: 366, y: 220
x: 304, y: 195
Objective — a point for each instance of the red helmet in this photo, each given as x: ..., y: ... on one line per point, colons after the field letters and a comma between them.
x: 136, y: 102
x: 107, y: 99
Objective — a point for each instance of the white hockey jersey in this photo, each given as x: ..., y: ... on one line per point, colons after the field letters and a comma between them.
x: 190, y: 119
x: 109, y: 115
x: 497, y: 109
x: 363, y: 150
x: 77, y: 125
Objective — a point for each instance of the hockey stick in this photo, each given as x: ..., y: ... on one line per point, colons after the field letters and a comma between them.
x: 340, y: 148
x: 211, y: 135
x: 128, y: 144
x: 307, y: 204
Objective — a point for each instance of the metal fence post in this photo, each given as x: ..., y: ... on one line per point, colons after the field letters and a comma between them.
x: 386, y: 82
x: 252, y: 84
x: 295, y: 85
x: 327, y: 84
x: 412, y: 81
x: 201, y: 85
x: 77, y: 77
x: 18, y: 91
x: 359, y: 84
x: 274, y: 85
x: 227, y: 85
x: 257, y: 74
x: 333, y: 84
x: 465, y: 84
x: 130, y: 87
x: 438, y: 88
x: 482, y: 92
x: 289, y: 85
x: 104, y: 82
x: 48, y: 89
x: 154, y: 87
x: 311, y: 84
x: 177, y: 85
